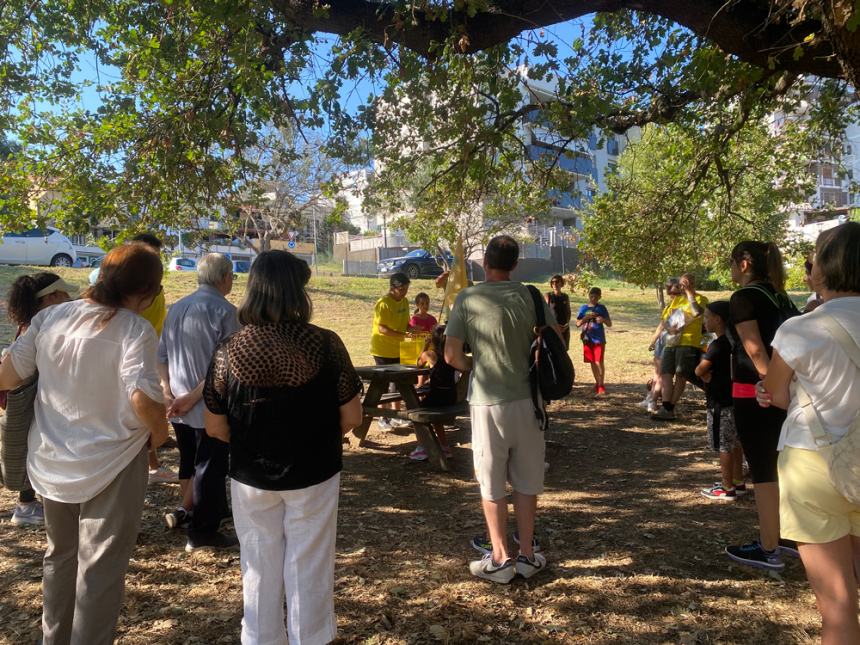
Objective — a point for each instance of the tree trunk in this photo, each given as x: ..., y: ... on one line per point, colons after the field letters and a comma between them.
x: 844, y: 36
x: 661, y: 298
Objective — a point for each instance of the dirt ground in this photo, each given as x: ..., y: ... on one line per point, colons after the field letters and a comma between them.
x: 635, y: 552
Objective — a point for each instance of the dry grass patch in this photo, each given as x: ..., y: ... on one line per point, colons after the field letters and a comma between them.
x: 635, y: 552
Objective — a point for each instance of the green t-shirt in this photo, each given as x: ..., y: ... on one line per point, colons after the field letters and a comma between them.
x: 497, y: 320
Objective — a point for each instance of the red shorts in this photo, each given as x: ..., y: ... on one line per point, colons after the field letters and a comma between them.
x: 593, y: 352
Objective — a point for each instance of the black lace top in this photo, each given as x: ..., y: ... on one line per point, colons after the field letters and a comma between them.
x: 281, y: 387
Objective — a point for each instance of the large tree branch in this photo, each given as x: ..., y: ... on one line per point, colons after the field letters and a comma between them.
x: 748, y: 29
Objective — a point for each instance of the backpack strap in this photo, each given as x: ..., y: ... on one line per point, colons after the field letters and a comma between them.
x: 757, y: 287
x: 540, y: 318
x: 848, y: 345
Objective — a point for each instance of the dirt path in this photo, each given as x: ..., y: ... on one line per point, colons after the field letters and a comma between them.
x: 635, y: 551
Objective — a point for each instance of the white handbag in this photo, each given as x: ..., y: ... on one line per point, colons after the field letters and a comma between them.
x: 842, y: 455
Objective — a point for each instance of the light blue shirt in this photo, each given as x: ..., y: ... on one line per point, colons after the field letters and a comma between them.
x: 195, y: 326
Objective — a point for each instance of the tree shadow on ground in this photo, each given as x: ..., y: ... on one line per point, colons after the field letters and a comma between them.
x: 635, y: 552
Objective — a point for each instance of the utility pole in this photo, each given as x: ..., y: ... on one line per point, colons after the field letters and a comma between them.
x: 314, y: 218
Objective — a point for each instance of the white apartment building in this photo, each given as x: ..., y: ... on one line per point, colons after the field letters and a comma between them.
x: 589, y: 161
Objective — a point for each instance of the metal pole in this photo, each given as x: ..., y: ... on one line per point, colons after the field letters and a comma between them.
x: 313, y: 215
x: 562, y: 248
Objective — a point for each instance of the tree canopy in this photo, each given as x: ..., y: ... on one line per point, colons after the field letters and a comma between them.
x: 669, y: 209
x: 185, y: 88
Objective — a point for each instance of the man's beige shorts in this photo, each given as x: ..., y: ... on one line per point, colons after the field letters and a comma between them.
x: 810, y: 509
x: 507, y: 445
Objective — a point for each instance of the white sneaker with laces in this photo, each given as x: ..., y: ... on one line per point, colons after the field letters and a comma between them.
x: 383, y: 424
x: 488, y: 570
x: 31, y: 514
x: 400, y: 423
x: 527, y: 568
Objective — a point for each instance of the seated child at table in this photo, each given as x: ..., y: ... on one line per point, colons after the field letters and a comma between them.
x: 421, y: 320
x: 440, y: 391
x: 715, y: 371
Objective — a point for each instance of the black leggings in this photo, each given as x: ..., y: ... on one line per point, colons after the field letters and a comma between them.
x: 758, y: 429
x: 186, y: 441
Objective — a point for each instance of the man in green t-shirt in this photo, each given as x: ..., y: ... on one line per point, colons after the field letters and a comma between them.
x: 497, y: 319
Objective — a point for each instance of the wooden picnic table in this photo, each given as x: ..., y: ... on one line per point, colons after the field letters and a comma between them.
x: 404, y: 378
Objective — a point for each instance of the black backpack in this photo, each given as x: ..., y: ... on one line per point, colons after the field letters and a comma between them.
x: 783, y: 304
x: 550, y: 369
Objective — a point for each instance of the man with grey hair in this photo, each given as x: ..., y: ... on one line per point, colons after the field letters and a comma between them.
x: 195, y: 326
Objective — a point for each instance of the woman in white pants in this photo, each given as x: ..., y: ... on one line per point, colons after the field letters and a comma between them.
x: 282, y: 393
x: 816, y: 359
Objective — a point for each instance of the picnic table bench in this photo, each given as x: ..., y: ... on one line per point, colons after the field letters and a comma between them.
x: 404, y: 378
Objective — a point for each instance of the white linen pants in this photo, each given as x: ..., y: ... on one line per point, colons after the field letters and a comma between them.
x: 287, y: 547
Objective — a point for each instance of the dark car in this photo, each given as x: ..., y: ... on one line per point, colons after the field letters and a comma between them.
x: 415, y: 264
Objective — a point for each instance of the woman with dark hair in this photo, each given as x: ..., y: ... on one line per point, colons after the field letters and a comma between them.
x: 560, y: 304
x: 27, y: 297
x: 756, y: 311
x: 815, y: 375
x: 97, y: 406
x: 283, y: 393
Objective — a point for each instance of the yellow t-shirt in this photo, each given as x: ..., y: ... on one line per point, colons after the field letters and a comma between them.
x: 156, y: 313
x: 394, y: 315
x: 692, y: 334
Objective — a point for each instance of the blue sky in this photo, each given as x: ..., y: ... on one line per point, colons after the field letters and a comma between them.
x: 562, y: 34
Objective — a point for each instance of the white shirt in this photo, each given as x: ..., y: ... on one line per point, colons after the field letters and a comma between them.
x: 85, y: 431
x: 825, y: 371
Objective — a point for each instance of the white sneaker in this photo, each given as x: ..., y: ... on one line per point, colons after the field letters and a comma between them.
x: 162, y: 474
x: 32, y: 514
x: 527, y: 568
x: 400, y: 423
x: 488, y: 570
x: 646, y: 403
x: 383, y: 424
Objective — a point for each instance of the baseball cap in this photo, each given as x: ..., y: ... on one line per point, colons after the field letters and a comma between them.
x: 720, y: 308
x: 398, y: 280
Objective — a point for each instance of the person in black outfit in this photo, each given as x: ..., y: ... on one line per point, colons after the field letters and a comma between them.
x: 440, y: 391
x: 283, y: 393
x: 755, y: 313
x: 714, y: 369
x: 560, y: 304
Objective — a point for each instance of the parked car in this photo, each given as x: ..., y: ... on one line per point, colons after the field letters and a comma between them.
x: 45, y: 246
x: 415, y: 264
x: 241, y: 266
x: 182, y: 264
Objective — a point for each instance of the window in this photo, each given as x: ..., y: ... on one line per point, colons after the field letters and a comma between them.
x: 612, y: 146
x: 36, y: 232
x: 182, y: 262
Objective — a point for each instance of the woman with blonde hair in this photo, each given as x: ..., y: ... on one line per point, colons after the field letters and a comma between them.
x: 98, y: 406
